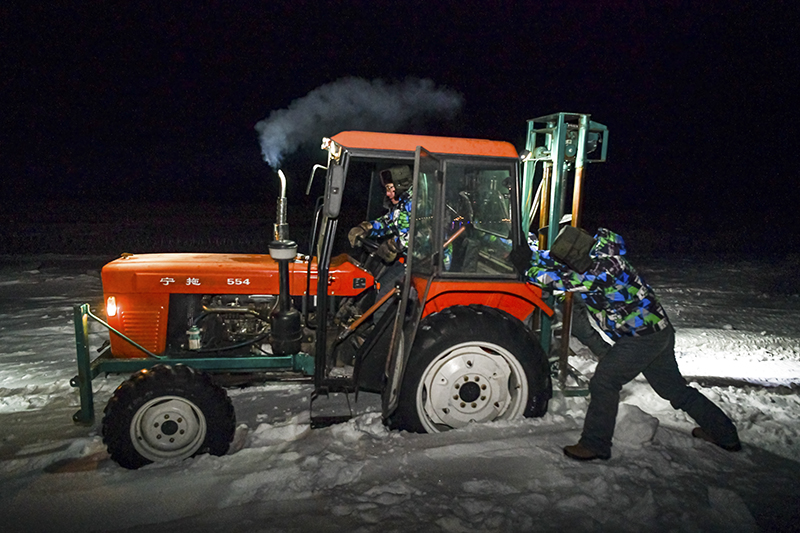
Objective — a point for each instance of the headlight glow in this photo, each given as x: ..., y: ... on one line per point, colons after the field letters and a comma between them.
x: 111, y: 306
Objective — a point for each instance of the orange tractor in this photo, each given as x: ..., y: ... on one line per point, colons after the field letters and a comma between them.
x: 459, y: 339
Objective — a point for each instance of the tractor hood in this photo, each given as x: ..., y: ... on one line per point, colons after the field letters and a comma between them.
x: 206, y: 273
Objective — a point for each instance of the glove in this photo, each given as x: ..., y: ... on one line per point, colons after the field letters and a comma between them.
x: 521, y: 257
x: 357, y: 233
x: 389, y: 249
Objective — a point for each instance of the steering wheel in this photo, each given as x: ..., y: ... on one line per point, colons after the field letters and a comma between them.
x: 369, y: 261
x: 369, y: 244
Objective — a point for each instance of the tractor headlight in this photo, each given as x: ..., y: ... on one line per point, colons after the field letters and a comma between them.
x: 111, y: 306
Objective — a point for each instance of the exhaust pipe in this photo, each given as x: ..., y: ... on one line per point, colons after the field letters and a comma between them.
x: 286, y: 328
x: 281, y: 227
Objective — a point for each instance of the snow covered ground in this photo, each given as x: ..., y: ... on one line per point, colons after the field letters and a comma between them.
x: 738, y: 338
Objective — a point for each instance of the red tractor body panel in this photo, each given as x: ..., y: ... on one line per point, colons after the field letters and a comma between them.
x: 367, y: 140
x: 141, y: 285
x: 515, y: 297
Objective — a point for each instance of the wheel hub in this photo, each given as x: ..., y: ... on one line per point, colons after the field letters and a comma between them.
x: 469, y: 391
x: 169, y: 427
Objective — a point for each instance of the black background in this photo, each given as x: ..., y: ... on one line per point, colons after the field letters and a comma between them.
x: 144, y: 111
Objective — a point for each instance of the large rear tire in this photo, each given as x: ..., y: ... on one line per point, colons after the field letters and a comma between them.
x: 167, y: 412
x: 471, y: 364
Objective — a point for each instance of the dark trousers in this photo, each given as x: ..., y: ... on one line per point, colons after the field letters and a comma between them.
x: 654, y: 356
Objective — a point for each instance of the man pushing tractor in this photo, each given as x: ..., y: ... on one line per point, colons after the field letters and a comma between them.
x: 628, y: 311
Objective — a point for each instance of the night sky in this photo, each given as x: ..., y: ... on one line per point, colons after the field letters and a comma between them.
x: 157, y: 101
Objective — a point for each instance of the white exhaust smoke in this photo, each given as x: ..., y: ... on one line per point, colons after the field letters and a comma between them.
x: 352, y: 103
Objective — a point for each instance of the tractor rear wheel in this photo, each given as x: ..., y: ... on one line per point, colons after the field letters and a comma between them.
x: 471, y: 364
x: 167, y: 412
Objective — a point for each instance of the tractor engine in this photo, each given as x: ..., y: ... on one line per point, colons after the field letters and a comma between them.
x: 232, y: 323
x: 228, y: 324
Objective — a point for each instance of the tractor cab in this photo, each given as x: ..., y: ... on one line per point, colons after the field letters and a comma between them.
x: 462, y: 228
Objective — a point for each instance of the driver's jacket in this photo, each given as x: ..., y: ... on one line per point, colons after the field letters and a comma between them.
x: 616, y: 296
x: 396, y: 222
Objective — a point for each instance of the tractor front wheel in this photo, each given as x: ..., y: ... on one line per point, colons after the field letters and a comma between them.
x: 167, y: 412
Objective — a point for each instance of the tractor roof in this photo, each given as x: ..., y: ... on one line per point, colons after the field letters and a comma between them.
x: 368, y: 140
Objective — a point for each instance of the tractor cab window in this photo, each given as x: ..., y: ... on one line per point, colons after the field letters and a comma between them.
x: 477, y: 219
x: 424, y: 199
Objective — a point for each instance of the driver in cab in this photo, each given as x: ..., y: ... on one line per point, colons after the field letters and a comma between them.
x: 391, y: 228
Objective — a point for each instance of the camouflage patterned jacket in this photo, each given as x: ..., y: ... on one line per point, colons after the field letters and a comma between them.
x: 396, y: 222
x: 618, y: 299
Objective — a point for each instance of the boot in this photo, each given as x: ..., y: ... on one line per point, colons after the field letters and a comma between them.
x: 700, y: 433
x: 580, y: 453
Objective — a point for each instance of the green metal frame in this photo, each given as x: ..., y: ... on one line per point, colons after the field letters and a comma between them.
x: 105, y: 363
x: 547, y: 142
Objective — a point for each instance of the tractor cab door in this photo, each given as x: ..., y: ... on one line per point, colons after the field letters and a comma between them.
x: 421, y: 260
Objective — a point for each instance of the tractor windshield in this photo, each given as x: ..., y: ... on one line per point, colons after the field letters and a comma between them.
x: 474, y: 228
x: 477, y: 219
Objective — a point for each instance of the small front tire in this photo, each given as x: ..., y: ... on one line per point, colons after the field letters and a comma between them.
x: 167, y: 412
